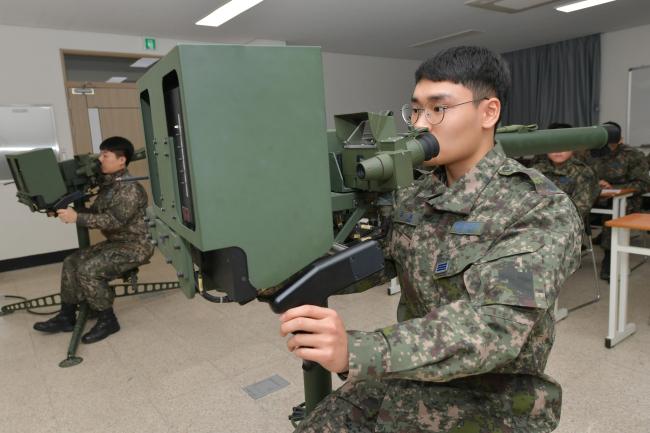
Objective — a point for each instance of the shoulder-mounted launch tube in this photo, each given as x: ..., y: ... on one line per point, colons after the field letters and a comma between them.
x: 520, y: 140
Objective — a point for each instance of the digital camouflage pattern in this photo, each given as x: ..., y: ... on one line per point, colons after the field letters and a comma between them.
x: 623, y: 167
x: 576, y: 179
x: 480, y: 264
x: 118, y: 211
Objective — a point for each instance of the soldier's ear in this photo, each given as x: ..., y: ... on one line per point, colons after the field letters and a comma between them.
x: 491, y: 110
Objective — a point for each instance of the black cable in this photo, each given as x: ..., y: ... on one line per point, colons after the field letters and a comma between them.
x: 216, y: 299
x: 29, y: 310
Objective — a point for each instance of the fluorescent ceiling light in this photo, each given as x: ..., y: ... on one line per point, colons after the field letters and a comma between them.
x: 144, y: 62
x: 116, y: 80
x: 446, y: 38
x: 227, y: 12
x: 572, y: 7
x: 507, y: 6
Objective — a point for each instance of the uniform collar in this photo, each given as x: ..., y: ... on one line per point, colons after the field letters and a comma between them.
x: 462, y: 195
x: 558, y: 169
x: 110, y: 178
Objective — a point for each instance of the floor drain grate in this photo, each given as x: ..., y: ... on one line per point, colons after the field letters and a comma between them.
x: 266, y: 386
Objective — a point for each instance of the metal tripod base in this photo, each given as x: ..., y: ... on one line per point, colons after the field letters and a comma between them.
x: 79, y: 326
x: 70, y: 361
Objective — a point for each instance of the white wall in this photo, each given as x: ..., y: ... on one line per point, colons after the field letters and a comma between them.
x: 24, y: 233
x: 360, y: 83
x: 620, y: 51
x: 32, y: 74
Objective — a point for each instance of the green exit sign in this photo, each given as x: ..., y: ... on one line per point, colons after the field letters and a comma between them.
x: 149, y: 44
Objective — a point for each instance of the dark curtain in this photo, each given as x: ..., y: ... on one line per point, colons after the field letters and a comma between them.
x: 555, y: 83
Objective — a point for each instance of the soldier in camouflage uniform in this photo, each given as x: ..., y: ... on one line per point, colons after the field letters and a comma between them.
x: 619, y: 166
x: 572, y: 176
x: 481, y: 248
x: 118, y: 211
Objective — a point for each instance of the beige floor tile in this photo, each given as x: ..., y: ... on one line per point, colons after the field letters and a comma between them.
x: 104, y: 410
x: 216, y: 409
x: 26, y: 407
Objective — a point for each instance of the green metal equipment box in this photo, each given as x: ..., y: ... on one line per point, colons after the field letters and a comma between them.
x: 38, y: 178
x: 237, y: 151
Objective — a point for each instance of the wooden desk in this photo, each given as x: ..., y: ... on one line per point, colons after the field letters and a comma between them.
x: 618, y: 328
x: 619, y: 202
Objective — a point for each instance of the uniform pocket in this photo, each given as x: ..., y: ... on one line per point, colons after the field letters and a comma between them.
x: 508, y: 275
x: 458, y: 259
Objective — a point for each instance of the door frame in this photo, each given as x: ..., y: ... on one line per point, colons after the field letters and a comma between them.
x: 88, y: 84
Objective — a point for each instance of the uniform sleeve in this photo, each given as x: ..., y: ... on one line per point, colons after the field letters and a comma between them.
x: 587, y: 191
x: 637, y: 174
x: 510, y: 289
x: 125, y: 204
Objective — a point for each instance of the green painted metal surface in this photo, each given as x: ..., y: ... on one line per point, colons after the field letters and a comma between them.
x: 255, y: 151
x: 519, y: 140
x: 38, y: 178
x: 388, y: 157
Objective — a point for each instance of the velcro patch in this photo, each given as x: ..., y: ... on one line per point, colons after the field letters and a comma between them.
x: 410, y: 218
x: 468, y: 228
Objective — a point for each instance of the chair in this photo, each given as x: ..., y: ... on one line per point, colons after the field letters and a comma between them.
x: 562, y: 313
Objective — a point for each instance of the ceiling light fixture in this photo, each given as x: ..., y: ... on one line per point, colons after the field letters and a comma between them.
x: 446, y: 38
x: 144, y: 62
x: 227, y: 12
x: 572, y: 7
x: 507, y: 6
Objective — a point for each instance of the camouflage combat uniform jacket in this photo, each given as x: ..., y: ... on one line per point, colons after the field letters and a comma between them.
x: 480, y: 264
x: 118, y: 211
x: 624, y: 167
x: 576, y: 179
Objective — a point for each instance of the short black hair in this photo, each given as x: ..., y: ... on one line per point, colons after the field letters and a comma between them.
x: 615, y: 125
x: 482, y: 71
x: 559, y: 125
x: 120, y: 146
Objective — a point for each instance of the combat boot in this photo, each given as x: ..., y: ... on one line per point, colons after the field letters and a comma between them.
x: 106, y: 325
x: 604, y: 266
x: 64, y: 321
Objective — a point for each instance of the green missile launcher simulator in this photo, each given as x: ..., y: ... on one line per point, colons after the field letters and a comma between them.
x: 45, y: 185
x: 251, y: 195
x: 254, y: 198
x: 249, y: 189
x: 238, y: 164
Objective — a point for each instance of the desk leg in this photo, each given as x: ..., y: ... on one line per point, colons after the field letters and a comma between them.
x: 616, y: 208
x: 613, y: 289
x: 622, y: 207
x: 618, y: 329
x: 624, y: 274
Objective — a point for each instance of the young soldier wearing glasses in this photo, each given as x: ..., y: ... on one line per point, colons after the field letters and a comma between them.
x: 484, y: 248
